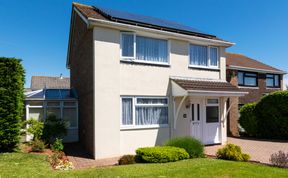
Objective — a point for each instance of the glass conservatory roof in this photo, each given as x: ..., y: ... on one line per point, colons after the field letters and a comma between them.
x: 57, y: 94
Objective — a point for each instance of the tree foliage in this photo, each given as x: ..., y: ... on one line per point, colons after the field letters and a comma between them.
x: 11, y: 102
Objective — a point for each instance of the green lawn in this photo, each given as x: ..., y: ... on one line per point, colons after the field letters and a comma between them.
x: 28, y: 165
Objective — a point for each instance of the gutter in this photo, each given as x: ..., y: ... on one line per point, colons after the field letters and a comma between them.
x: 250, y: 69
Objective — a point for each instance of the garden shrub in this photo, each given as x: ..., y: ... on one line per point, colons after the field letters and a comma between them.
x: 272, y: 115
x: 57, y: 145
x: 232, y: 152
x: 279, y: 159
x: 35, y: 128
x: 192, y: 146
x: 160, y: 154
x: 248, y: 120
x: 11, y: 102
x: 127, y: 159
x: 37, y: 145
x: 54, y: 128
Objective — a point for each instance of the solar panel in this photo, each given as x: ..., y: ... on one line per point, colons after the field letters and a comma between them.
x: 148, y: 20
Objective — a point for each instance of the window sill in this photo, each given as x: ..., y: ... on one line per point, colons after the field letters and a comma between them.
x: 123, y: 128
x: 204, y: 68
x: 249, y: 87
x: 132, y: 61
x: 273, y: 88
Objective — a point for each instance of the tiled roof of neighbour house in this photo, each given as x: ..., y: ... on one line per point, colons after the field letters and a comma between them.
x: 41, y: 82
x: 139, y: 20
x: 207, y: 85
x: 241, y: 61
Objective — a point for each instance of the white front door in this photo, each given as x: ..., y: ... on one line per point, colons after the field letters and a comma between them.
x: 196, y: 120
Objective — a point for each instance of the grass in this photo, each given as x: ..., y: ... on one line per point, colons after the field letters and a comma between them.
x: 29, y: 165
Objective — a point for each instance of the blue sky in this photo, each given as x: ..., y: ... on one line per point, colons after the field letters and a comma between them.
x: 37, y: 31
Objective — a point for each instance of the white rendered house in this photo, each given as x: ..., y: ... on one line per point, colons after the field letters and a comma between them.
x: 142, y: 81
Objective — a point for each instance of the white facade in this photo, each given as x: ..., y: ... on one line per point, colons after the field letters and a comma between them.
x: 115, y: 79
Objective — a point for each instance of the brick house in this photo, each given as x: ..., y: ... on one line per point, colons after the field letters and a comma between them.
x: 252, y: 76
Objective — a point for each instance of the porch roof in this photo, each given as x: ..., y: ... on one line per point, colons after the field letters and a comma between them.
x: 203, y: 87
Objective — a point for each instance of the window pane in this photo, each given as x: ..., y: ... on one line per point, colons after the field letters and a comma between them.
x: 198, y: 55
x: 128, y: 45
x: 151, y: 115
x: 250, y: 74
x: 250, y: 81
x: 151, y: 101
x: 36, y: 113
x: 269, y: 82
x: 212, y: 114
x: 150, y: 49
x: 269, y: 76
x: 127, y: 110
x: 212, y: 101
x: 52, y: 93
x: 240, y: 78
x: 276, y: 81
x: 213, y: 57
x: 70, y: 115
x: 70, y: 103
x: 35, y: 103
x: 53, y: 103
x: 54, y: 111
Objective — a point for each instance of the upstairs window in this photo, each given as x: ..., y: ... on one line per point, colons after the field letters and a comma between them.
x: 272, y: 81
x: 143, y: 49
x: 247, y: 79
x: 203, y: 56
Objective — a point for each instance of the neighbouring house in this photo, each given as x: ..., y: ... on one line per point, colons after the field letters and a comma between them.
x: 252, y: 76
x: 53, y: 96
x: 141, y: 81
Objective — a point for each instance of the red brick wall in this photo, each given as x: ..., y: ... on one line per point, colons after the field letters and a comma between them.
x: 81, y: 73
x: 254, y: 95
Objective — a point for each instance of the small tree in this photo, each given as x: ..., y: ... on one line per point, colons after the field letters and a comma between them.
x: 35, y: 128
x: 54, y: 128
x: 11, y: 102
x: 248, y: 120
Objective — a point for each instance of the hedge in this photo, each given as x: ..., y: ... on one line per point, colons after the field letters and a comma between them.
x: 11, y: 102
x: 248, y: 120
x: 272, y: 115
x: 160, y: 154
x: 193, y: 146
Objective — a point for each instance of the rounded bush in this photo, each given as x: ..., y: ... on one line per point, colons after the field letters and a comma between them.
x: 127, y: 159
x: 232, y: 152
x: 57, y: 145
x: 160, y: 154
x: 272, y: 115
x: 248, y: 120
x: 38, y: 146
x: 193, y: 146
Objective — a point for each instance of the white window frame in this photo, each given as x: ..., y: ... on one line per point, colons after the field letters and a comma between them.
x: 134, y: 59
x: 209, y: 66
x: 213, y: 104
x: 134, y: 105
x: 60, y: 106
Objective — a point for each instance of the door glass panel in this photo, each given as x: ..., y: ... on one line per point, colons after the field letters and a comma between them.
x: 198, y: 112
x: 192, y: 112
x: 212, y: 114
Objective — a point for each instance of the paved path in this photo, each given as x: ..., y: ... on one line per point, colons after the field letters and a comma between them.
x: 259, y: 150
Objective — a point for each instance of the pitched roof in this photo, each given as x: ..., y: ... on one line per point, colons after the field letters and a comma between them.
x: 207, y: 85
x: 138, y: 20
x: 41, y: 82
x: 241, y: 61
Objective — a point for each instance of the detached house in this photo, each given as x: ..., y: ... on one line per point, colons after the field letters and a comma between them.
x: 252, y: 76
x: 141, y: 81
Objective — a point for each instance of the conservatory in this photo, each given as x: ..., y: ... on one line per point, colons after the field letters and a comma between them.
x: 62, y: 103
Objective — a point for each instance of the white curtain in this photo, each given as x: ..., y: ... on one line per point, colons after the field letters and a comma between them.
x: 213, y: 57
x: 127, y: 118
x: 151, y: 115
x: 152, y: 101
x: 198, y: 55
x: 127, y: 45
x: 149, y: 49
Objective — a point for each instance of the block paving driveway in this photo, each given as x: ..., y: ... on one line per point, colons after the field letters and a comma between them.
x: 259, y: 150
